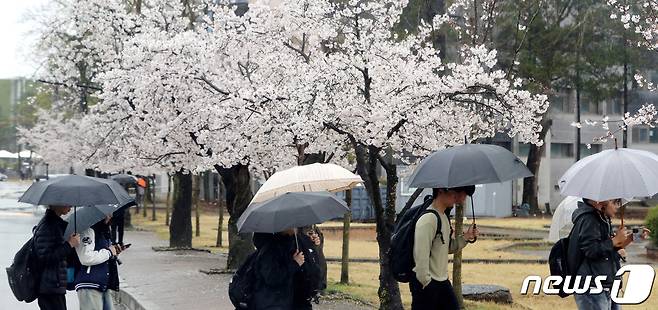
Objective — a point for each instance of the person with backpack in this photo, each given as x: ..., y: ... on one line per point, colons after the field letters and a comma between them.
x: 280, y: 270
x: 433, y: 241
x: 95, y: 276
x: 52, y: 250
x: 593, y: 249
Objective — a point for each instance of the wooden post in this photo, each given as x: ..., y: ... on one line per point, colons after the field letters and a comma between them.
x: 153, y: 217
x: 345, y: 260
x: 457, y: 258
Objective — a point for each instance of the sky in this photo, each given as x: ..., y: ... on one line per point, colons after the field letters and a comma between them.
x: 14, y: 42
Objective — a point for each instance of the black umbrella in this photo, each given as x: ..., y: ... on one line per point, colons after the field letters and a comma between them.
x: 74, y: 190
x: 124, y: 179
x: 468, y: 164
x: 290, y: 210
x: 86, y: 217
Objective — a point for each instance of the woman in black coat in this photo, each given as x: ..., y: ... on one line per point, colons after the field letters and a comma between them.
x: 282, y: 272
x: 52, y: 250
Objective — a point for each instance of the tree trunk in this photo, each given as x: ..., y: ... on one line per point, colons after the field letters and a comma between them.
x: 220, y: 225
x: 530, y: 185
x: 195, y: 200
x: 457, y: 258
x: 180, y: 229
x: 168, y: 199
x: 236, y: 179
x: 367, y: 159
x: 345, y: 259
x: 153, y: 217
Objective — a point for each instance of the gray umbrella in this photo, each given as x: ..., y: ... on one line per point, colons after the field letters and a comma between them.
x: 291, y: 210
x: 75, y: 190
x: 468, y: 164
x: 85, y: 217
x: 124, y: 179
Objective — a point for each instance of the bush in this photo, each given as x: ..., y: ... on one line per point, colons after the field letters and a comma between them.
x: 651, y: 221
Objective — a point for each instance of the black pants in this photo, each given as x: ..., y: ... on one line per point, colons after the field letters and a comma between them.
x: 52, y: 302
x: 436, y: 295
x: 117, y: 228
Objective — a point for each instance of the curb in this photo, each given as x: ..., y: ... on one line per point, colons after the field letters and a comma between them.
x: 465, y: 261
x: 126, y: 298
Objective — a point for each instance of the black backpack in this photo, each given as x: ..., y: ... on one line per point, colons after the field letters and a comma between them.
x: 242, y: 284
x: 401, y: 253
x: 558, y: 263
x: 24, y: 274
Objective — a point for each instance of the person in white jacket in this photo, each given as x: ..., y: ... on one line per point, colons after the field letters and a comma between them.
x: 95, y: 252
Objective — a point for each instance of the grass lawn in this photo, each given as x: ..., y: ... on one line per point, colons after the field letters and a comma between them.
x: 364, y: 283
x: 208, y: 221
x: 364, y: 276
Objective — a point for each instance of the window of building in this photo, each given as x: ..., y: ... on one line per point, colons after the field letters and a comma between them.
x: 653, y: 135
x: 614, y: 106
x: 561, y: 150
x: 640, y: 135
x: 588, y: 105
x: 560, y: 103
x: 594, y: 148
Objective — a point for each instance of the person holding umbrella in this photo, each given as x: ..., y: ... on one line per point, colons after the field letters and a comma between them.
x: 52, y: 250
x: 430, y: 288
x: 98, y: 271
x: 285, y: 270
x: 594, y: 248
x: 286, y: 278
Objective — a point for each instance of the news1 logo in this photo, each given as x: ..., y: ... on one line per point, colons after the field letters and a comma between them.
x: 638, y: 285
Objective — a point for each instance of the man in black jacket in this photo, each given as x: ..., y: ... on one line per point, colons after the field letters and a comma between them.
x: 593, y: 249
x: 52, y: 250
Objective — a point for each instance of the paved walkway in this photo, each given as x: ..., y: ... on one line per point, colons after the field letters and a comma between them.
x: 171, y: 280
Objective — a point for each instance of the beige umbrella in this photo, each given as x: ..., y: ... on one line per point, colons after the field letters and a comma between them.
x: 308, y: 178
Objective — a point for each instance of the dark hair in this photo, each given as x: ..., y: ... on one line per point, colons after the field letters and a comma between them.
x: 468, y: 190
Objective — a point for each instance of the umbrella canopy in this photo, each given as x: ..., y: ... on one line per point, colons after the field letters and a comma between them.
x: 124, y: 179
x: 468, y: 164
x: 7, y: 154
x: 83, y: 218
x: 74, y: 190
x: 308, y: 178
x: 561, y: 223
x: 291, y: 210
x: 611, y: 174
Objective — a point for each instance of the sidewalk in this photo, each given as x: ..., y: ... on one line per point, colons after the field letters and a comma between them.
x: 171, y: 280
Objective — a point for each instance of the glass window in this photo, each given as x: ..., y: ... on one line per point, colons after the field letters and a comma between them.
x: 640, y: 135
x: 653, y: 135
x: 524, y: 149
x: 614, y: 106
x: 594, y: 148
x: 560, y: 103
x: 561, y: 150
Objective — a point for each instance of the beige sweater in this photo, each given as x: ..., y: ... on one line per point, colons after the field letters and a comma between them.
x: 430, y: 254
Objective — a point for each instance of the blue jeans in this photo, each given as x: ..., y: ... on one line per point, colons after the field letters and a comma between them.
x: 601, y: 301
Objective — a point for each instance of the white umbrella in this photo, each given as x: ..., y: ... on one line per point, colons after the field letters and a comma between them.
x: 7, y: 154
x: 611, y: 174
x: 561, y: 223
x: 308, y: 178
